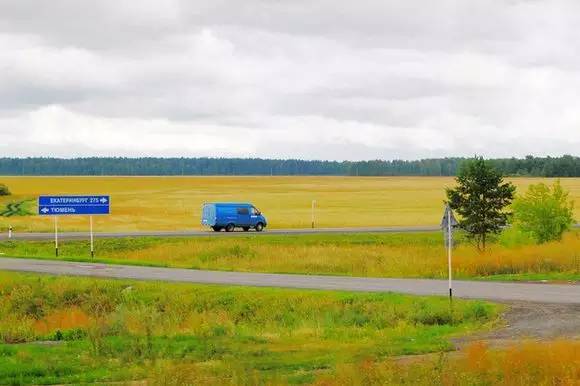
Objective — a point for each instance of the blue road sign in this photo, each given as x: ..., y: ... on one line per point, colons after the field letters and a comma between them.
x: 73, y: 205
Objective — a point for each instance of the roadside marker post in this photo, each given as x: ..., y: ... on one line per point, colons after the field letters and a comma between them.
x: 313, y: 207
x: 9, y: 231
x: 56, y: 206
x: 448, y: 222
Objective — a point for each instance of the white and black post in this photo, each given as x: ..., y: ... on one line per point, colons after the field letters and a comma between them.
x: 92, y: 238
x: 56, y: 235
x: 9, y: 231
x: 313, y: 207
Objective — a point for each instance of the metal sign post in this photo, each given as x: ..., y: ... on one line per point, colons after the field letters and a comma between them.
x: 73, y: 206
x: 447, y: 223
x: 449, y: 249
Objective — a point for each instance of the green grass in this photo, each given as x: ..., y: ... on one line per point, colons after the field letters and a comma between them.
x: 419, y: 255
x: 111, y: 330
x: 17, y: 208
x: 69, y: 362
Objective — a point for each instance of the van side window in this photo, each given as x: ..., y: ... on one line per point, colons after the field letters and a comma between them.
x: 253, y: 211
x: 243, y: 211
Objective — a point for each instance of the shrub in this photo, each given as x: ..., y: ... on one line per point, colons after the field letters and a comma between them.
x: 543, y: 212
x: 4, y: 191
x: 515, y: 237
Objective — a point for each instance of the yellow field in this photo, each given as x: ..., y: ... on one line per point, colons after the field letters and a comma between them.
x: 172, y: 203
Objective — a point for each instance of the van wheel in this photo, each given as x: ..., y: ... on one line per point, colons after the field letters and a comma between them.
x: 259, y: 227
x: 230, y: 227
x: 246, y: 229
x: 216, y: 228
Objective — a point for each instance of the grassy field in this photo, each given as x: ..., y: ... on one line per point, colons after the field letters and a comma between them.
x: 169, y: 203
x: 72, y: 330
x: 378, y: 255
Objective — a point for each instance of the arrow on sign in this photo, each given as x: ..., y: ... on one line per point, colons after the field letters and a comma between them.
x: 103, y: 200
x: 44, y: 210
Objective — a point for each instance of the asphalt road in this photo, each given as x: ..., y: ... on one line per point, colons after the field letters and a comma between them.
x: 542, y: 293
x: 199, y: 233
x: 203, y: 233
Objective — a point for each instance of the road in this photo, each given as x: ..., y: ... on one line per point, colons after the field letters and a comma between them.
x: 203, y: 233
x: 542, y: 293
x: 199, y: 233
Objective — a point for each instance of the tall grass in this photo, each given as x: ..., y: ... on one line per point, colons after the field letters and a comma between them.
x: 378, y: 255
x: 113, y: 330
x: 521, y: 364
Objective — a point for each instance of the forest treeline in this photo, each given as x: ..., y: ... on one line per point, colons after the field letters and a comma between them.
x: 565, y: 166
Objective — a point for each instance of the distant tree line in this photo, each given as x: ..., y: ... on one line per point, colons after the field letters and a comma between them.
x: 565, y: 166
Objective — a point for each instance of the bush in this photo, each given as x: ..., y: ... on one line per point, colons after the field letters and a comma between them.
x: 515, y: 237
x: 543, y: 212
x: 4, y: 191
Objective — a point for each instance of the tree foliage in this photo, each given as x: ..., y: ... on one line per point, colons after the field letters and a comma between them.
x: 480, y: 198
x: 4, y: 191
x: 565, y: 166
x: 544, y: 212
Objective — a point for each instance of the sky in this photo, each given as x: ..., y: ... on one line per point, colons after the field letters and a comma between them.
x: 310, y: 79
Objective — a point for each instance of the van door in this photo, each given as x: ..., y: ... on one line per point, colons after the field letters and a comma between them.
x: 243, y: 216
x: 254, y: 216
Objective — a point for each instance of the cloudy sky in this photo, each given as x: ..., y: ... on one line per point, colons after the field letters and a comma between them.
x: 320, y: 79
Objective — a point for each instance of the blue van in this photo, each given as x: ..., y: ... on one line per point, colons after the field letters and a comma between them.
x: 229, y: 216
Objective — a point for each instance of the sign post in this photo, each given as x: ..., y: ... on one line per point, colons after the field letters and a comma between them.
x: 448, y: 222
x: 56, y: 236
x: 73, y: 206
x: 92, y: 238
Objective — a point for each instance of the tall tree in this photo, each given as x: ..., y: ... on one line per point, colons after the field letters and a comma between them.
x: 480, y: 198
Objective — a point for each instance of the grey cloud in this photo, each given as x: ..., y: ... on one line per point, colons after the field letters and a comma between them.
x: 312, y: 79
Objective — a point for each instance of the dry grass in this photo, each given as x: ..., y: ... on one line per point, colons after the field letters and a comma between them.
x: 167, y: 203
x: 380, y: 256
x: 527, y: 363
x: 62, y: 319
x: 557, y: 256
x: 374, y: 255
